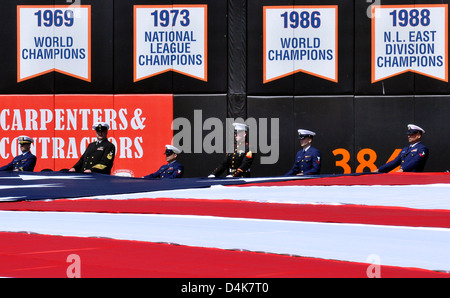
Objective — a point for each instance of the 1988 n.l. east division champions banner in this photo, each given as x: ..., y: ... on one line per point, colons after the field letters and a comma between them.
x: 409, y: 38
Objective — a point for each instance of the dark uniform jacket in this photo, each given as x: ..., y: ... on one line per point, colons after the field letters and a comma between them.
x: 410, y: 159
x: 98, y: 157
x: 306, y: 162
x: 22, y: 162
x: 168, y: 171
x: 236, y: 164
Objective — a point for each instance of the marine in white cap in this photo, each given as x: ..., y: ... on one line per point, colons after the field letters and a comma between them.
x: 173, y: 169
x: 99, y: 155
x: 25, y: 161
x: 238, y: 163
x: 413, y: 157
x: 307, y: 160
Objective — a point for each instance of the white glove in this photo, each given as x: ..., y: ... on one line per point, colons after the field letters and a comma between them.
x: 229, y: 176
x: 212, y: 176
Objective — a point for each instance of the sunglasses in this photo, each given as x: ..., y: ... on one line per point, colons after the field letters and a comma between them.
x: 168, y: 152
x: 412, y: 132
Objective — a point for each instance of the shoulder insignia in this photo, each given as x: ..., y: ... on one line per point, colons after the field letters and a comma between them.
x: 249, y: 154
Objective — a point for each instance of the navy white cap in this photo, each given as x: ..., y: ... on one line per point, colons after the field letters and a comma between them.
x: 414, y: 129
x: 100, y: 126
x: 303, y: 133
x: 240, y: 126
x: 25, y: 140
x: 171, y: 149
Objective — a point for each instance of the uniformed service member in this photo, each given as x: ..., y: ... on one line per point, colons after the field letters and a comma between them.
x: 25, y: 161
x: 307, y: 160
x: 413, y: 157
x: 173, y: 169
x: 99, y: 155
x: 238, y: 163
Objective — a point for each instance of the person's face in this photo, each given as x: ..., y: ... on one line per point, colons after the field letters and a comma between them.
x: 25, y: 147
x: 101, y: 134
x: 305, y: 142
x: 171, y: 157
x: 414, y: 138
x: 240, y: 136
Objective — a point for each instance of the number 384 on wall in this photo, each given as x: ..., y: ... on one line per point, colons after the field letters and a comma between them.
x: 366, y: 159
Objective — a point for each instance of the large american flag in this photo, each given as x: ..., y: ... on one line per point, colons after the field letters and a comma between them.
x: 368, y: 225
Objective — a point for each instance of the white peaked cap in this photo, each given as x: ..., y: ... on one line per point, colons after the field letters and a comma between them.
x: 173, y: 148
x: 102, y: 124
x: 240, y: 126
x: 415, y: 127
x: 305, y: 132
x: 25, y: 140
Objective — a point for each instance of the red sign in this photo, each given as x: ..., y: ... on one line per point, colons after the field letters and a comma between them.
x: 61, y: 126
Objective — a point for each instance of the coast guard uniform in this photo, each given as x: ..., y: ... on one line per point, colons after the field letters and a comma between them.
x: 412, y: 158
x: 307, y: 160
x: 238, y: 163
x: 168, y: 171
x: 172, y: 169
x: 23, y: 162
x: 99, y: 155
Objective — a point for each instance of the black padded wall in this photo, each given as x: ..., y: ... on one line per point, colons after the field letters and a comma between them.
x: 195, y: 134
x: 433, y: 112
x: 275, y: 150
x: 332, y: 119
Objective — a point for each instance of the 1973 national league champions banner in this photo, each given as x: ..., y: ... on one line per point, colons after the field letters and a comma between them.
x: 170, y: 38
x: 409, y: 38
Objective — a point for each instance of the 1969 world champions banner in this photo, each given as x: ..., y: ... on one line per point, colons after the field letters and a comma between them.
x: 53, y: 38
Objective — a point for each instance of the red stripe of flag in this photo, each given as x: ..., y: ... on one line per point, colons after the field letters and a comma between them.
x: 377, y: 215
x: 369, y: 179
x: 32, y: 255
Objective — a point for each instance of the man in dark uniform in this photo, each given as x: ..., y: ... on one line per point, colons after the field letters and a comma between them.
x: 411, y: 158
x: 25, y: 161
x: 238, y: 163
x: 99, y: 155
x: 307, y: 160
x: 173, y: 169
